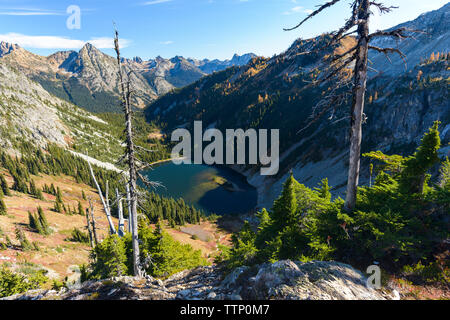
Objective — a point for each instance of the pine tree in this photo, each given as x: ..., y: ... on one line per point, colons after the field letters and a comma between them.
x: 39, y: 194
x: 444, y: 178
x: 43, y: 221
x: 285, y: 207
x: 414, y: 176
x: 52, y: 189
x: 33, y: 189
x: 59, y: 195
x: 112, y: 257
x: 3, y: 209
x: 35, y: 224
x: 57, y: 207
x: 324, y: 189
x: 19, y: 184
x: 80, y: 209
x: 4, y: 185
x: 24, y: 243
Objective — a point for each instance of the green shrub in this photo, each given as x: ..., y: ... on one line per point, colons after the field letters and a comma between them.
x: 24, y: 243
x: 13, y: 283
x: 39, y: 222
x: 79, y: 236
x: 161, y: 255
x: 3, y: 209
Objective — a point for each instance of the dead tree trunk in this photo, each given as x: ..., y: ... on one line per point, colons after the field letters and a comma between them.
x: 112, y: 229
x: 357, y: 111
x: 94, y: 229
x: 131, y: 156
x: 88, y: 226
x: 107, y: 196
x: 121, y: 229
x: 130, y: 221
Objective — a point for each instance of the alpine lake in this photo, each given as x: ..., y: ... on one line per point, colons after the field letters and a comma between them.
x: 212, y: 189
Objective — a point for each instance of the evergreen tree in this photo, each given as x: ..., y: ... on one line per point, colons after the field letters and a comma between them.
x: 3, y: 209
x: 285, y: 207
x: 110, y: 258
x: 414, y: 176
x: 444, y: 179
x: 43, y: 221
x: 33, y: 189
x: 80, y: 209
x: 4, y: 185
x: 39, y: 194
x: 57, y: 207
x: 52, y: 189
x: 59, y: 195
x: 24, y: 243
x: 35, y: 224
x: 19, y: 184
x: 324, y: 189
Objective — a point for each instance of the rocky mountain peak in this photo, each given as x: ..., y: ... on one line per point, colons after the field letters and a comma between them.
x: 88, y: 47
x: 7, y: 48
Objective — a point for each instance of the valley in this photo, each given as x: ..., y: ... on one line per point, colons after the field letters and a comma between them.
x: 68, y: 139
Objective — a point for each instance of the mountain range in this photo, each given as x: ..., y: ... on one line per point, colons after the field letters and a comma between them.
x: 88, y: 78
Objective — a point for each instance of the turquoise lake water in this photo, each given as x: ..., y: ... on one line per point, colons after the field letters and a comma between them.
x: 198, y: 185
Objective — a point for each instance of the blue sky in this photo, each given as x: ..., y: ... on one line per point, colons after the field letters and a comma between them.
x: 191, y: 28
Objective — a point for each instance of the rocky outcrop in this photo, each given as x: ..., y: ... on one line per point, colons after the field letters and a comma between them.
x: 28, y: 111
x: 283, y: 280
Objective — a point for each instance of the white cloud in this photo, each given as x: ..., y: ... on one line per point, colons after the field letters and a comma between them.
x: 108, y: 43
x: 149, y: 3
x: 56, y: 42
x: 297, y: 9
x: 167, y: 42
x: 29, y: 13
x: 16, y: 11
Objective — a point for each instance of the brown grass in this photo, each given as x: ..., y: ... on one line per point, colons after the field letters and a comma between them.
x: 56, y: 253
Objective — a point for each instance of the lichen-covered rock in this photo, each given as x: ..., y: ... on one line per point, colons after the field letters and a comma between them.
x: 317, y: 280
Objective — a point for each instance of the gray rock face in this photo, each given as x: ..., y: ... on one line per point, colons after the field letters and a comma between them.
x: 435, y: 37
x: 25, y: 111
x: 283, y: 280
x: 7, y: 48
x: 30, y: 113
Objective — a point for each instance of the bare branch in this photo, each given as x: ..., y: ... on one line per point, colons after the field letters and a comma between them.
x: 382, y: 8
x: 316, y: 12
x: 400, y: 33
x: 387, y: 51
x: 147, y: 182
